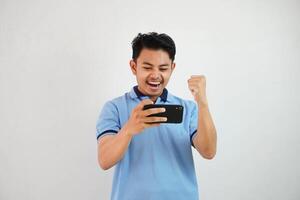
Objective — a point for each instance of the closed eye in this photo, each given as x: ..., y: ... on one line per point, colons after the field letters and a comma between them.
x: 163, y: 69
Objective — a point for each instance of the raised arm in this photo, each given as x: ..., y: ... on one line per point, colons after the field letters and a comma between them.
x: 205, y: 140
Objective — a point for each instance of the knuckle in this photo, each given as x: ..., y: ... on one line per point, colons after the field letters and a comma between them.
x: 158, y: 110
x: 148, y: 112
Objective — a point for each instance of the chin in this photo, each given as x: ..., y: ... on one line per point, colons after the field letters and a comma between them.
x: 154, y: 91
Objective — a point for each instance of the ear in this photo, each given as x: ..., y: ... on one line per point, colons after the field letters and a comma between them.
x: 173, y: 66
x: 133, y: 66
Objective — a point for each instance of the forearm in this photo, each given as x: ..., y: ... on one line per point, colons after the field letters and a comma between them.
x: 113, y: 148
x: 206, y: 139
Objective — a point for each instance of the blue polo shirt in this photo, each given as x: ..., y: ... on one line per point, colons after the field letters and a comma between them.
x: 158, y: 163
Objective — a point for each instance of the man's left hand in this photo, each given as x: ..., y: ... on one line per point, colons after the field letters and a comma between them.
x: 197, y: 85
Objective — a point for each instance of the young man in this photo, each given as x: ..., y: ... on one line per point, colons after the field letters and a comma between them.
x: 154, y: 160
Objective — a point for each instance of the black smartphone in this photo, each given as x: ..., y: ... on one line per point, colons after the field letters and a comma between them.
x: 173, y: 112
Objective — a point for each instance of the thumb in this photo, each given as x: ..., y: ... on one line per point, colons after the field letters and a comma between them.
x: 145, y: 102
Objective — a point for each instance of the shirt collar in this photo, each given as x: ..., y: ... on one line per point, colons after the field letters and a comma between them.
x: 136, y: 93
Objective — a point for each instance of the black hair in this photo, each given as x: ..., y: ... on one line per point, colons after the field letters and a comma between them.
x: 155, y: 41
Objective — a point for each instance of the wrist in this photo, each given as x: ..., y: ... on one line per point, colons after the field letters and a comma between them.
x: 126, y: 131
x: 202, y: 104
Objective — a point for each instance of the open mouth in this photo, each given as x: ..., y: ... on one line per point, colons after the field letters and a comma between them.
x: 153, y: 85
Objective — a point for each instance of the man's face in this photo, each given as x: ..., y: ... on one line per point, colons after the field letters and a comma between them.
x: 152, y: 69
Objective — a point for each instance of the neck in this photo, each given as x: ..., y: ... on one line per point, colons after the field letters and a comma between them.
x: 153, y: 99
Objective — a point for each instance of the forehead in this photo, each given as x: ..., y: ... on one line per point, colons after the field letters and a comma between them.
x: 154, y: 56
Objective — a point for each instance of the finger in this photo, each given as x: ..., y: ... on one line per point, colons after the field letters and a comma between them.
x: 148, y: 125
x: 194, y: 89
x: 197, y: 76
x: 194, y: 85
x: 194, y: 80
x: 191, y: 87
x: 154, y: 119
x: 144, y: 102
x: 151, y: 111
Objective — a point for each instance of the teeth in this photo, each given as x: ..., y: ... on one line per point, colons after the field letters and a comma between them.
x: 154, y: 83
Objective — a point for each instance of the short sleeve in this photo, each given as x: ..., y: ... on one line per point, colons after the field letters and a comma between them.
x: 193, y: 122
x: 108, y: 121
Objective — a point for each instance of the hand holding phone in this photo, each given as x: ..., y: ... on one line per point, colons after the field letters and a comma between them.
x: 141, y: 118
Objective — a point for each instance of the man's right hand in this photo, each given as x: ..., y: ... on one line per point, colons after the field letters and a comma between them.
x: 139, y: 119
x: 111, y: 148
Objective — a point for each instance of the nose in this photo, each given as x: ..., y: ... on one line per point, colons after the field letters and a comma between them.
x: 155, y: 74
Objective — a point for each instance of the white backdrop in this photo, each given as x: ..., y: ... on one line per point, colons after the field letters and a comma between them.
x: 61, y: 60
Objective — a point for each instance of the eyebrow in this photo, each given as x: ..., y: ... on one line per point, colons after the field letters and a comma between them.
x: 162, y: 65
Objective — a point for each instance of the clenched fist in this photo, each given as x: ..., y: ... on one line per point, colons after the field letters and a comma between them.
x: 197, y: 85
